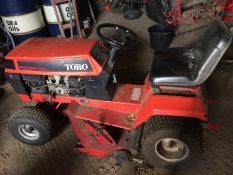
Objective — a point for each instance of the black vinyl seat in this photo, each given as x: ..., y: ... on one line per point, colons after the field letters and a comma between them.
x: 191, y: 66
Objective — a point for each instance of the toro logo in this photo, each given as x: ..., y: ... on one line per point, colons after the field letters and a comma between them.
x: 78, y: 67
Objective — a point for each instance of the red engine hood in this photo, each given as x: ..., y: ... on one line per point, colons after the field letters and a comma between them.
x: 47, y: 48
x: 49, y: 56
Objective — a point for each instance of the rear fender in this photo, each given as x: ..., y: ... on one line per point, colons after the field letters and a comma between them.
x: 169, y: 105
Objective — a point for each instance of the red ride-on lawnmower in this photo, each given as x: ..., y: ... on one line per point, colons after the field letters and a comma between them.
x: 160, y: 120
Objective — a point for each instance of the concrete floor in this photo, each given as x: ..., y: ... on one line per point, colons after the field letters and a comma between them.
x: 57, y: 158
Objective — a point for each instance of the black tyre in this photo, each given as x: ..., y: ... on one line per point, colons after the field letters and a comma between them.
x: 172, y: 142
x: 30, y: 125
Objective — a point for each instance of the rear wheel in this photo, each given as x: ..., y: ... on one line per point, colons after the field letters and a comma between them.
x: 30, y: 125
x: 172, y: 142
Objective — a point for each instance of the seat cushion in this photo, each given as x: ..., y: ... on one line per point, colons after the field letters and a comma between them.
x: 170, y: 67
x: 191, y: 67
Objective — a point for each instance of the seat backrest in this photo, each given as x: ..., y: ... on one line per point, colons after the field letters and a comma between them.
x: 208, y: 50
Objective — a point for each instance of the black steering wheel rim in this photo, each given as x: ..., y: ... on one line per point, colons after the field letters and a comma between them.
x: 116, y: 43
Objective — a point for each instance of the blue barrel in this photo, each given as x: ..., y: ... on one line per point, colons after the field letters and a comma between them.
x: 64, y: 13
x: 17, y: 7
x: 55, y: 31
x: 23, y: 19
x: 46, y: 2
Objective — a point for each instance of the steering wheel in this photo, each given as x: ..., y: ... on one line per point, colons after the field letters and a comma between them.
x: 123, y: 38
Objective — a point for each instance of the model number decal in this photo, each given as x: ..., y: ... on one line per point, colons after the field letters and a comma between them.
x: 136, y: 94
x: 56, y: 65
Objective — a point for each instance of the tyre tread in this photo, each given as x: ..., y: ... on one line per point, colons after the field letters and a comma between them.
x: 190, y: 125
x: 34, y: 114
x: 187, y: 127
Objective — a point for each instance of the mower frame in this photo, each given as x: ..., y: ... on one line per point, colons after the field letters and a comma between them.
x: 131, y: 106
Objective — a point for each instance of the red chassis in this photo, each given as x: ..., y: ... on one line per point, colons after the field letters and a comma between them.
x: 131, y: 106
x: 161, y: 123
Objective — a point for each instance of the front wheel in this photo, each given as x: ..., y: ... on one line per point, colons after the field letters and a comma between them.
x: 30, y: 125
x: 172, y: 142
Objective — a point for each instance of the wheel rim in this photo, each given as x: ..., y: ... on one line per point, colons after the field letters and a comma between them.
x: 171, y: 149
x: 28, y: 132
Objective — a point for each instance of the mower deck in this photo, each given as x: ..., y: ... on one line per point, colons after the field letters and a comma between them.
x: 130, y: 106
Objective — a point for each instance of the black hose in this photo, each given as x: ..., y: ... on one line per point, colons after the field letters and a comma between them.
x: 7, y: 34
x: 151, y: 6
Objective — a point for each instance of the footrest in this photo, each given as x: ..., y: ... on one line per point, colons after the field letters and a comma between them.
x: 105, y: 116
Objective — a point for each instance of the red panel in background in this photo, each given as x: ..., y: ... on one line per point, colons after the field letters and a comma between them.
x: 228, y: 12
